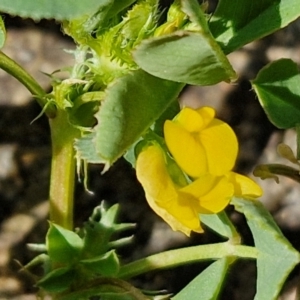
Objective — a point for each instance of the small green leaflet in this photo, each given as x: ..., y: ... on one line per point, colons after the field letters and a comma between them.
x: 236, y: 23
x: 221, y: 224
x: 278, y: 89
x: 52, y: 9
x: 63, y: 246
x: 132, y: 104
x: 207, y: 285
x: 186, y: 57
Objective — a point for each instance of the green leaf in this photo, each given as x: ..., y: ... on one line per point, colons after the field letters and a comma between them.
x: 58, y: 280
x: 82, y: 27
x: 131, y: 106
x: 64, y: 246
x: 106, y: 265
x: 168, y: 114
x: 207, y: 285
x: 188, y: 57
x: 221, y: 224
x: 191, y: 57
x: 56, y: 9
x: 276, y: 256
x: 86, y: 150
x: 235, y: 14
x: 278, y: 89
x: 2, y: 33
x: 238, y: 22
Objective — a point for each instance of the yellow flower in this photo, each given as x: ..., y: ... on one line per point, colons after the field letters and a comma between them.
x: 179, y: 207
x: 194, y: 133
x: 200, y: 143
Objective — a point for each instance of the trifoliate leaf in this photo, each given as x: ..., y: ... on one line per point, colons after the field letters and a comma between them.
x: 276, y: 257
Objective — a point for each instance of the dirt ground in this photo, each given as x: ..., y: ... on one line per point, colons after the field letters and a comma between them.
x: 25, y: 161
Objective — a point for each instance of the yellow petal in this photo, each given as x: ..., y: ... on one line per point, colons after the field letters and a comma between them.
x: 221, y: 147
x: 244, y: 186
x: 152, y: 173
x: 200, y: 186
x: 186, y: 211
x: 186, y: 150
x: 190, y: 120
x: 207, y: 113
x: 162, y: 195
x: 174, y: 223
x: 218, y: 197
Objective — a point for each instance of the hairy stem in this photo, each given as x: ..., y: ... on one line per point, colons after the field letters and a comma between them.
x: 12, y: 68
x: 178, y: 257
x: 62, y: 170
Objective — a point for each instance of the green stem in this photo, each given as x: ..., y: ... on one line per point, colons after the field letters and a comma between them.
x: 271, y: 170
x: 178, y: 257
x: 12, y: 68
x: 62, y: 170
x: 298, y: 141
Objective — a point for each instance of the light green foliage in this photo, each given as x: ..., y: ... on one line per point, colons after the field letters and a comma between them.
x: 234, y: 15
x: 132, y: 104
x: 276, y: 256
x: 86, y: 151
x: 111, y: 41
x: 106, y: 264
x: 101, y: 21
x: 238, y: 22
x: 139, y: 24
x: 59, y: 10
x: 180, y: 50
x: 278, y: 90
x: 75, y: 258
x: 155, y: 133
x: 63, y: 246
x: 130, y: 66
x: 207, y: 285
x: 165, y: 56
x: 101, y: 227
x: 221, y: 224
